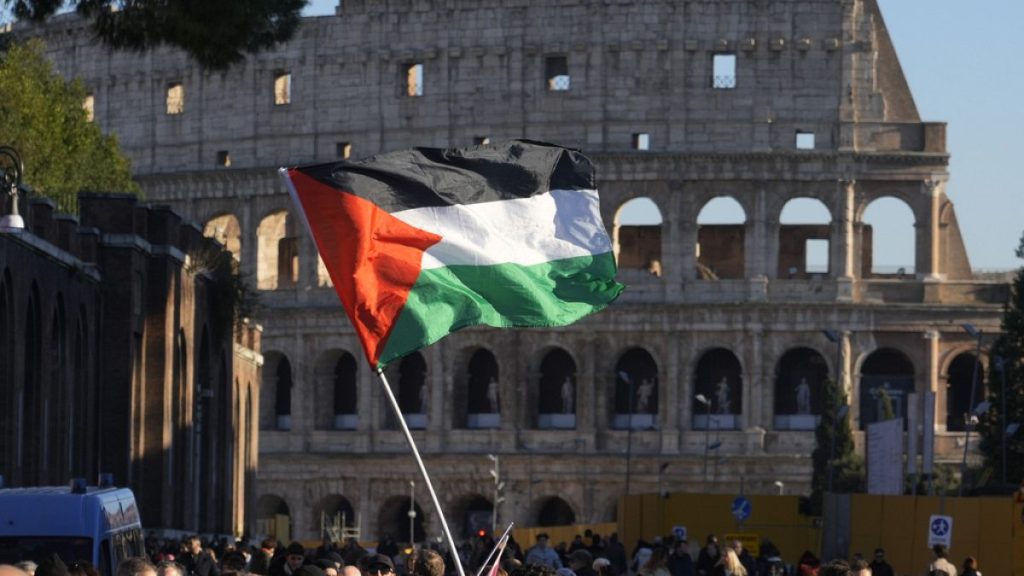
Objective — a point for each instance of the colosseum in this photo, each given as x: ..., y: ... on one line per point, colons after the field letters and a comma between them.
x: 754, y: 138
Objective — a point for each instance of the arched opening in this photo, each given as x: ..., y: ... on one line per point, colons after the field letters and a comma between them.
x: 346, y: 392
x: 277, y: 262
x: 226, y: 230
x: 333, y: 515
x: 718, y: 380
x: 805, y: 226
x: 888, y: 239
x: 799, y: 380
x: 276, y: 392
x: 413, y: 392
x: 636, y: 390
x: 483, y: 391
x: 273, y: 517
x: 556, y: 388
x: 959, y: 380
x: 721, y: 233
x: 637, y: 235
x: 553, y: 511
x: 886, y: 378
x: 396, y: 521
x: 474, y: 513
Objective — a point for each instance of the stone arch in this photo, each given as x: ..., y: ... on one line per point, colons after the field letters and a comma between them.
x: 800, y: 377
x: 553, y: 511
x: 478, y: 392
x: 330, y: 512
x: 224, y: 228
x: 888, y: 370
x: 721, y: 235
x: 805, y: 228
x: 637, y: 392
x: 393, y: 520
x: 636, y: 235
x: 959, y: 381
x: 409, y: 376
x: 337, y: 391
x: 277, y: 254
x: 273, y: 517
x: 472, y: 513
x: 557, y: 390
x: 276, y: 392
x: 888, y: 238
x: 718, y: 378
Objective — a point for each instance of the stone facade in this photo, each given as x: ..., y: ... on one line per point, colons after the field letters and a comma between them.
x: 679, y: 102
x: 114, y: 358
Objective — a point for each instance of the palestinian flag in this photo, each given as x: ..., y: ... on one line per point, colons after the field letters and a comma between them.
x: 423, y: 242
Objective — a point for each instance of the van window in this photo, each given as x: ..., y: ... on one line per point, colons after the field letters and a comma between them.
x: 104, y: 566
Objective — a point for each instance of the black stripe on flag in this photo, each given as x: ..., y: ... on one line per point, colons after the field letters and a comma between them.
x: 425, y: 177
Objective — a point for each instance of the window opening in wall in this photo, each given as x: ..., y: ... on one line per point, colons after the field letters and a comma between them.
x: 343, y: 150
x: 805, y: 225
x: 641, y: 141
x: 724, y: 71
x: 637, y: 236
x: 223, y: 158
x: 89, y: 105
x: 887, y: 239
x: 414, y: 79
x: 816, y: 256
x: 175, y: 98
x: 556, y: 70
x: 721, y: 234
x: 282, y: 89
x: 804, y: 140
x: 481, y: 140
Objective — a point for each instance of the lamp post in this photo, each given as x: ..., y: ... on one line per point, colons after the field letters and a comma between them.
x: 707, y: 430
x: 976, y: 334
x: 499, y: 487
x: 412, y: 512
x: 10, y: 182
x: 781, y: 486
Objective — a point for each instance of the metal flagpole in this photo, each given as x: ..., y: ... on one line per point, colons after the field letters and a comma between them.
x: 423, y: 470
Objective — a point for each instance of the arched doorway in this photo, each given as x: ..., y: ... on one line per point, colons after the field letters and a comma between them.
x: 273, y: 517
x: 959, y: 381
x: 557, y: 391
x: 475, y: 513
x: 332, y: 515
x: 394, y: 520
x: 799, y: 380
x: 718, y: 386
x: 553, y: 511
x: 483, y: 394
x: 886, y: 377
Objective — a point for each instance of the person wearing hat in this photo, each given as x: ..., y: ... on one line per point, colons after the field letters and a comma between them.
x: 197, y: 562
x: 376, y: 564
x: 542, y: 554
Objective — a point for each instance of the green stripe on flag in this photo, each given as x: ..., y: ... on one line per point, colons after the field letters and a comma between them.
x: 555, y: 293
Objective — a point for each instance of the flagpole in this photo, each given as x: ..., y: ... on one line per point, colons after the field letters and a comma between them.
x: 423, y: 470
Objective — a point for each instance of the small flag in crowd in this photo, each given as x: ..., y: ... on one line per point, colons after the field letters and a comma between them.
x: 423, y: 242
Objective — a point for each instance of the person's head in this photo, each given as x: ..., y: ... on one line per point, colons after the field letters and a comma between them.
x: 542, y: 540
x: 269, y: 544
x: 580, y: 559
x: 8, y: 570
x: 970, y: 563
x: 427, y: 563
x: 879, y: 554
x: 27, y: 566
x: 860, y: 567
x: 940, y: 551
x: 136, y: 567
x: 377, y: 565
x: 658, y: 559
x: 233, y: 561
x: 192, y: 544
x: 169, y: 568
x: 351, y: 570
x: 737, y: 546
x: 731, y: 561
x: 836, y: 568
x: 82, y: 568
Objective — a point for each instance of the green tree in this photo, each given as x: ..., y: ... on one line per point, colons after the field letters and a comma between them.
x: 216, y: 33
x: 42, y: 117
x: 1009, y: 348
x: 848, y: 474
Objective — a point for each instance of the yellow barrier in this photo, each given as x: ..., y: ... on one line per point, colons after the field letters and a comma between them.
x: 526, y: 537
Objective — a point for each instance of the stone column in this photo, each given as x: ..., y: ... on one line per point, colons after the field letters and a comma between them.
x: 686, y: 217
x: 930, y: 266
x: 933, y: 379
x: 842, y: 250
x: 670, y: 395
x: 673, y: 248
x: 846, y: 378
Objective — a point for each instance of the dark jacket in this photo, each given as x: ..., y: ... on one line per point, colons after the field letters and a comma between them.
x: 680, y: 565
x: 201, y: 564
x: 880, y: 568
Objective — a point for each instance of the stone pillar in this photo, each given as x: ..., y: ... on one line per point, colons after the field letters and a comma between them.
x: 670, y: 396
x: 842, y: 250
x: 686, y: 217
x: 673, y: 248
x: 757, y: 251
x: 588, y: 384
x: 933, y: 379
x: 249, y: 240
x: 846, y: 379
x: 929, y: 268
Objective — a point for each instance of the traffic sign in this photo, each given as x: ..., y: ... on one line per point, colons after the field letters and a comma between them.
x: 741, y: 508
x: 679, y: 532
x: 940, y: 530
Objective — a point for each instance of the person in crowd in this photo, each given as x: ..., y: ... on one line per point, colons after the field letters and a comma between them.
x: 85, y: 568
x: 708, y: 557
x: 769, y: 562
x: 860, y: 567
x: 941, y: 566
x: 542, y: 554
x: 809, y: 564
x: 294, y: 558
x: 729, y: 564
x: 328, y: 567
x: 679, y: 561
x: 426, y: 562
x: 615, y: 552
x: 596, y: 546
x: 52, y: 566
x: 196, y: 560
x: 879, y: 566
x: 745, y: 558
x: 641, y: 554
x: 377, y: 565
x: 28, y: 567
x: 657, y: 564
x: 350, y: 570
x: 234, y: 561
x: 388, y: 546
x: 836, y: 568
x: 260, y: 563
x: 971, y: 567
x: 603, y: 567
x: 169, y: 568
x: 352, y: 552
x: 135, y: 566
x: 9, y: 570
x: 581, y: 562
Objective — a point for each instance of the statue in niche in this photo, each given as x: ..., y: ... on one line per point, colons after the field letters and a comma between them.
x: 568, y: 396
x: 722, y: 399
x: 492, y: 394
x: 803, y: 397
x: 644, y: 393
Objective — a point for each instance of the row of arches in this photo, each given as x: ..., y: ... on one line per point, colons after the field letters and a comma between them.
x: 804, y: 237
x: 634, y: 390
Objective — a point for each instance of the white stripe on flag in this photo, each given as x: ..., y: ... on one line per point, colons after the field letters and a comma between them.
x: 552, y: 226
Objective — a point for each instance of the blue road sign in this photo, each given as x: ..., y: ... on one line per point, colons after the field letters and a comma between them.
x: 741, y: 508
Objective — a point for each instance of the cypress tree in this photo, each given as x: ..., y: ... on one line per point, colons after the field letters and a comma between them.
x: 848, y: 470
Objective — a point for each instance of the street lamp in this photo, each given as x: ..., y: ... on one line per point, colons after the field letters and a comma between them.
x: 707, y: 430
x: 781, y: 486
x: 412, y: 512
x: 10, y: 182
x: 976, y: 334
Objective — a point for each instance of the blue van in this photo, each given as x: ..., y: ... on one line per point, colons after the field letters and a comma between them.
x: 78, y: 522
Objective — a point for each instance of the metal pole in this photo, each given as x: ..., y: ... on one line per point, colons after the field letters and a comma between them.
x: 412, y: 512
x: 970, y: 413
x: 629, y: 433
x: 707, y: 435
x: 423, y: 471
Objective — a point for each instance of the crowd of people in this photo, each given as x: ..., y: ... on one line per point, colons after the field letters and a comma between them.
x: 587, y: 555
